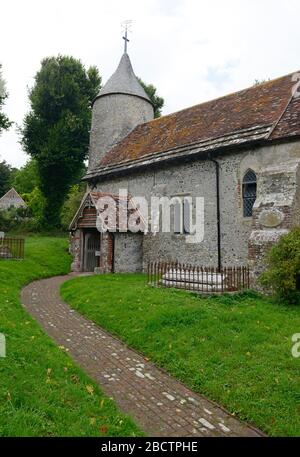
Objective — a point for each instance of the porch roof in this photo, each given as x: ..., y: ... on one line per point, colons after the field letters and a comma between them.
x: 91, y: 199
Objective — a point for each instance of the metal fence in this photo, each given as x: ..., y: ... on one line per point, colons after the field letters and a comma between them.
x: 12, y: 248
x: 198, y: 279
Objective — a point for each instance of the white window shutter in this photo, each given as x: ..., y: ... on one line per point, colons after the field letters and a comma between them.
x: 187, y: 212
x: 178, y: 218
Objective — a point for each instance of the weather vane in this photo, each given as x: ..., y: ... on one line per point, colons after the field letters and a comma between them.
x: 126, y: 26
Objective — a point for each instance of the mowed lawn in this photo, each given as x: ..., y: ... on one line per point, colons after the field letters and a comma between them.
x: 42, y: 392
x: 235, y: 350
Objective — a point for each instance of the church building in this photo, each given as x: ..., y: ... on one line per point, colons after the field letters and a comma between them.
x: 240, y: 153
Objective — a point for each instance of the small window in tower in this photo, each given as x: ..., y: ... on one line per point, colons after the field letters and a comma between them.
x: 249, y: 192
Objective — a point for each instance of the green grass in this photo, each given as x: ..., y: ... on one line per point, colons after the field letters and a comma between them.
x: 236, y: 350
x: 42, y: 392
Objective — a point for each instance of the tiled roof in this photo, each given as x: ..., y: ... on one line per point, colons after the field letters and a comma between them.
x: 266, y: 111
x: 124, y: 81
x: 90, y: 200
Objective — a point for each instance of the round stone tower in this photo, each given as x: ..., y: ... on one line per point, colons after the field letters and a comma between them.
x: 121, y: 105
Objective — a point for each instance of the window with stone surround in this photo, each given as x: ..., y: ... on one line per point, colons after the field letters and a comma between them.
x: 249, y: 192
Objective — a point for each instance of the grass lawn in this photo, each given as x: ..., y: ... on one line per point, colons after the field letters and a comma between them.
x: 42, y: 392
x: 235, y: 350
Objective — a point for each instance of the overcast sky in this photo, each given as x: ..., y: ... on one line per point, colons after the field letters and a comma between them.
x: 191, y: 50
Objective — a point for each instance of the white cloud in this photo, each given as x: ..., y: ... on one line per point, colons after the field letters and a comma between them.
x: 191, y: 50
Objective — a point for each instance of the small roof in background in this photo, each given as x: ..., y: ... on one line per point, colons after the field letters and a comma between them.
x: 12, y: 194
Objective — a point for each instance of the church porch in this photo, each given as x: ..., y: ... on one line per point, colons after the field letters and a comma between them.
x: 102, y: 252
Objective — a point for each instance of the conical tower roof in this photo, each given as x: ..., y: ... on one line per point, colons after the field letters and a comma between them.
x: 124, y: 81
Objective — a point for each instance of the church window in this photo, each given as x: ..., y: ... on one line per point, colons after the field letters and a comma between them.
x: 249, y: 192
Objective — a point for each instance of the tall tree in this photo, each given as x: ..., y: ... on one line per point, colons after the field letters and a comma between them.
x: 26, y: 179
x: 56, y: 130
x: 5, y: 177
x: 4, y: 121
x: 72, y: 204
x: 158, y: 102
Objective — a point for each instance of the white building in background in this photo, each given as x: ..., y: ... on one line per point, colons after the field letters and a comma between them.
x: 12, y: 200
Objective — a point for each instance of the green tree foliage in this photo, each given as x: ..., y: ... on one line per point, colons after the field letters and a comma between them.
x: 72, y: 204
x: 24, y: 220
x: 56, y: 130
x: 158, y: 102
x: 283, y: 268
x: 6, y: 175
x: 27, y: 178
x: 15, y: 219
x: 4, y: 121
x: 36, y: 204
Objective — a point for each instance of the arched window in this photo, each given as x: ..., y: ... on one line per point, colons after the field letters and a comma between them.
x: 249, y: 192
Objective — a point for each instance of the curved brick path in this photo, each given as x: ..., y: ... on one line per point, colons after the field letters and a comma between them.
x: 161, y: 405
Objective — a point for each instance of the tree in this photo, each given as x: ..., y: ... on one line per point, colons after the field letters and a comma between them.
x: 72, y: 204
x: 5, y: 177
x: 36, y: 204
x: 158, y: 102
x: 4, y: 121
x: 27, y: 178
x: 283, y: 268
x: 56, y: 130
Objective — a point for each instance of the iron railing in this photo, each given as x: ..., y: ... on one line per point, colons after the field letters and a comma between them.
x: 207, y: 280
x: 12, y: 248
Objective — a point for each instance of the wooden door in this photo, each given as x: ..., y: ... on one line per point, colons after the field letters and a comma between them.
x: 91, y: 251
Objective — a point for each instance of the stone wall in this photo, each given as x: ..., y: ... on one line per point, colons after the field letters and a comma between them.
x: 113, y: 117
x: 198, y: 179
x: 75, y: 250
x: 128, y: 252
x: 106, y: 254
x: 169, y: 182
x: 276, y: 211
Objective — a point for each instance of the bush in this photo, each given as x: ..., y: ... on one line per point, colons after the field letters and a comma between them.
x: 283, y: 268
x: 15, y: 219
x: 4, y: 221
x: 36, y: 203
x: 72, y: 204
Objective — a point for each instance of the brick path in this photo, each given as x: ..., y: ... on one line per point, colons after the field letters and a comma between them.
x: 161, y: 405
